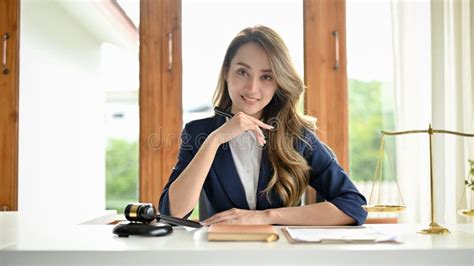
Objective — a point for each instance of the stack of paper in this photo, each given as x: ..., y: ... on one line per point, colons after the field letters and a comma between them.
x: 338, y: 235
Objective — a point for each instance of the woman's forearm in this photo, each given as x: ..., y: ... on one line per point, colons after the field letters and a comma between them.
x: 324, y: 213
x: 184, y: 191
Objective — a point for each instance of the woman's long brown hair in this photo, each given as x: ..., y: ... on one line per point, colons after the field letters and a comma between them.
x: 290, y: 170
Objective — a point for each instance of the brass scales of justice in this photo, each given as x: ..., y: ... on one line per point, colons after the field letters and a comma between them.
x: 433, y: 228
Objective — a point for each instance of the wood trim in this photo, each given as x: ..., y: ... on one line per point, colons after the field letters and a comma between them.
x: 160, y: 95
x: 326, y: 94
x: 9, y: 23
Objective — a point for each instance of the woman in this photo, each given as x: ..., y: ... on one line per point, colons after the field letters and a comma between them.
x: 255, y: 166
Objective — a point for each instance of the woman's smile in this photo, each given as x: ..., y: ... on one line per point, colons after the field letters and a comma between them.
x: 249, y: 100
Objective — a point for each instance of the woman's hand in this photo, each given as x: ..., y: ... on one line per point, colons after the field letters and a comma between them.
x: 239, y: 123
x: 239, y: 216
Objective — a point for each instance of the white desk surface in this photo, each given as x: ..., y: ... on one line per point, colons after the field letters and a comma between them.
x: 30, y: 241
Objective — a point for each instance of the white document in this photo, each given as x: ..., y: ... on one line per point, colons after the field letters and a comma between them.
x: 344, y: 235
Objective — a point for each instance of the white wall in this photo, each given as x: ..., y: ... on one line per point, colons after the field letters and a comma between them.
x: 61, y: 146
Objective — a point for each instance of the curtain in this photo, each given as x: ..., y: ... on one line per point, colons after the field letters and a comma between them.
x: 412, y: 88
x: 451, y: 101
x: 433, y: 45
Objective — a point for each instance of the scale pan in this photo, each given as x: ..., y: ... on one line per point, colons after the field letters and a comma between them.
x: 384, y: 208
x: 466, y: 212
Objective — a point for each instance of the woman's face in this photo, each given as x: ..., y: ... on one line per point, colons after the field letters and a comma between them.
x: 250, y: 80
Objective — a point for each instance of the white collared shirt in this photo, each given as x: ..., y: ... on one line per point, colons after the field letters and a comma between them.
x: 247, y: 155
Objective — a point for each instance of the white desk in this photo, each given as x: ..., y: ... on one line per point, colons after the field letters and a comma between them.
x: 25, y: 241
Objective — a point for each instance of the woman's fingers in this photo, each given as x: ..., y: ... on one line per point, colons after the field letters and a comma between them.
x: 238, y: 216
x: 260, y: 123
x: 259, y: 135
x: 217, y: 217
x: 254, y: 120
x: 242, y: 122
x: 255, y: 125
x: 221, y: 217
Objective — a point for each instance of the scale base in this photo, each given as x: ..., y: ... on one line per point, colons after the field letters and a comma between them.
x: 466, y: 212
x: 384, y: 208
x: 435, y: 229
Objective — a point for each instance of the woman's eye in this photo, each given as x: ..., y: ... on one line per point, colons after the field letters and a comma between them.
x: 267, y: 77
x: 242, y: 72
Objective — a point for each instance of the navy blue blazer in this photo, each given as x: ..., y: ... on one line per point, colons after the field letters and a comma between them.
x: 223, y: 186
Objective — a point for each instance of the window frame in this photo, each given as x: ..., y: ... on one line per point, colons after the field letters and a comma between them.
x: 160, y: 94
x: 326, y: 95
x: 9, y: 107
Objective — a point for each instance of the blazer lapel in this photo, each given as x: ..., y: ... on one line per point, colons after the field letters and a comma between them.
x: 228, y: 177
x: 226, y: 172
x: 263, y: 180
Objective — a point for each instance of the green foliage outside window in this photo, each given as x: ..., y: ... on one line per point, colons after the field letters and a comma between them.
x: 370, y: 112
x: 121, y: 174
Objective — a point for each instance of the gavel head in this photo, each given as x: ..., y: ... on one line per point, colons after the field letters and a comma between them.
x: 140, y: 212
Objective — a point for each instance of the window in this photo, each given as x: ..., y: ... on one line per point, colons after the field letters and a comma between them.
x: 121, y: 84
x: 370, y: 85
x: 79, y: 82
